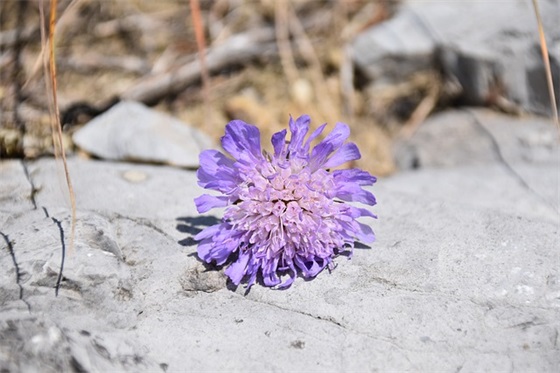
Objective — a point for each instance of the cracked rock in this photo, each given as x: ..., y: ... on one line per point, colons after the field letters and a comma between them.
x: 35, y: 344
x: 463, y: 275
x: 15, y: 189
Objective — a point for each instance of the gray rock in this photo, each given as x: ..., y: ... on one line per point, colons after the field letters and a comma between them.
x: 447, y: 139
x: 522, y: 148
x: 15, y: 188
x: 98, y: 185
x: 464, y: 276
x: 395, y: 48
x: 80, y: 329
x: 37, y: 344
x: 477, y: 136
x: 130, y: 131
x: 489, y: 48
x: 477, y: 72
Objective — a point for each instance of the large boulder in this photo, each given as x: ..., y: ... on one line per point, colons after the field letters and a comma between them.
x: 488, y: 48
x: 130, y: 131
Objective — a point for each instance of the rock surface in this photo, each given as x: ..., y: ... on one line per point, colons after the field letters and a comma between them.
x: 464, y: 276
x: 130, y: 131
x: 488, y: 48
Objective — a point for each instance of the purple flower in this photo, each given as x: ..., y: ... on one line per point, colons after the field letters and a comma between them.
x: 285, y: 212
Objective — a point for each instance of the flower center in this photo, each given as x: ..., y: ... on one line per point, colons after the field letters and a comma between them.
x: 283, y: 210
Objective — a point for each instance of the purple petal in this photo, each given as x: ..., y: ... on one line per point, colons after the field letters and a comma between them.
x: 354, y: 175
x: 365, y: 233
x: 220, y: 254
x: 278, y: 142
x: 208, y: 232
x: 299, y: 129
x: 237, y: 270
x: 217, y: 243
x: 290, y: 280
x: 358, y: 231
x: 213, y: 161
x: 310, y: 267
x: 221, y: 232
x: 319, y: 155
x: 269, y: 273
x: 348, y: 152
x: 348, y: 186
x: 312, y: 137
x: 356, y: 212
x: 332, y: 142
x: 207, y: 202
x: 217, y: 172
x: 203, y: 250
x: 252, y: 270
x: 337, y: 136
x: 353, y: 193
x: 242, y: 141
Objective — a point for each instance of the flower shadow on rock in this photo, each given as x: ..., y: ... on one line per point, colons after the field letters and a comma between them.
x: 193, y: 225
x: 195, y: 279
x: 285, y: 212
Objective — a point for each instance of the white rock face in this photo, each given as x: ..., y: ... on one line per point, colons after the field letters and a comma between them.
x: 130, y: 131
x: 464, y: 275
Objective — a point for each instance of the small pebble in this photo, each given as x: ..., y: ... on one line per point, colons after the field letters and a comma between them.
x: 134, y: 176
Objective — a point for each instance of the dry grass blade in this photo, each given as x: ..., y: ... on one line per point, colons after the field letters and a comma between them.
x: 42, y: 55
x: 422, y: 111
x: 546, y: 61
x: 201, y: 46
x: 56, y: 128
x: 283, y: 41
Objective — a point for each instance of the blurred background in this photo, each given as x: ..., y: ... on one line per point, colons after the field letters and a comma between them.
x: 383, y: 67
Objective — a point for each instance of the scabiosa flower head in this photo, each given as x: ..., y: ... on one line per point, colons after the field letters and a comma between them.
x: 285, y: 212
